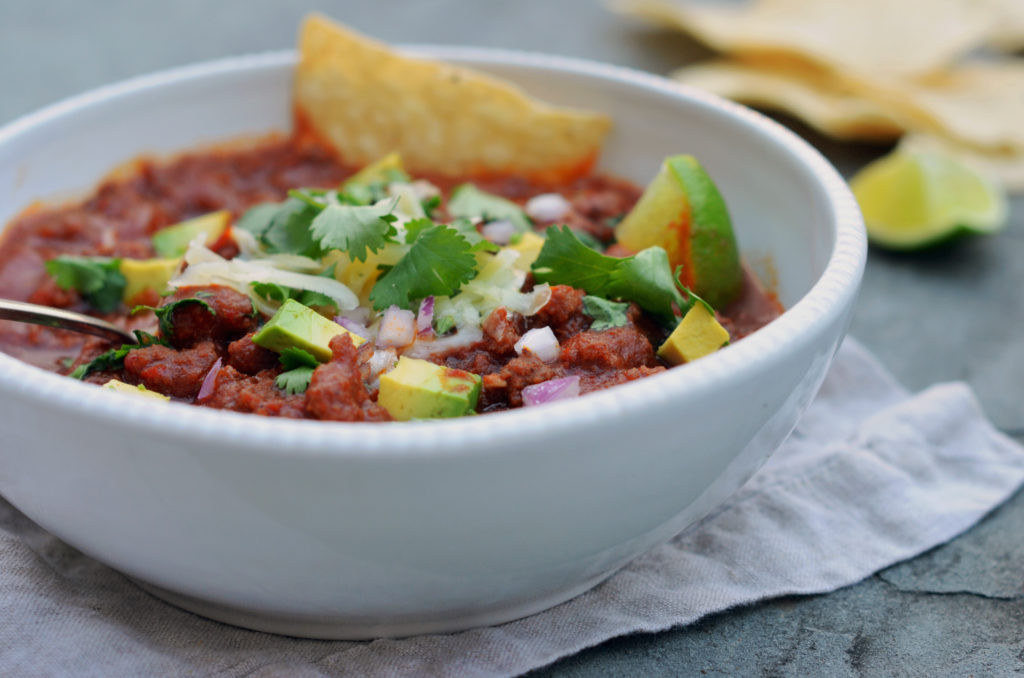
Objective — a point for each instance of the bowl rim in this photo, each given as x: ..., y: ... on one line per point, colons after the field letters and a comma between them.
x: 828, y: 297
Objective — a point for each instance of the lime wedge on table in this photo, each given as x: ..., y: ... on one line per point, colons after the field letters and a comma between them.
x: 913, y: 199
x: 682, y: 211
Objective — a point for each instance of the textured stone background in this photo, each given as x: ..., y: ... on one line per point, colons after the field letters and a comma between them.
x: 955, y: 313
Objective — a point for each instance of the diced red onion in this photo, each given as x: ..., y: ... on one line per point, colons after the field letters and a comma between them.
x: 541, y: 342
x: 353, y: 327
x: 397, y: 327
x: 499, y: 232
x: 359, y: 314
x: 547, y: 207
x: 551, y: 390
x: 425, y: 318
x: 209, y: 381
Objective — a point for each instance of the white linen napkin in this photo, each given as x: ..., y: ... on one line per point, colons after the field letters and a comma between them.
x: 871, y: 476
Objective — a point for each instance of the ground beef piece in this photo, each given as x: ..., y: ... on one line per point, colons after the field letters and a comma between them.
x: 249, y: 358
x: 191, y: 323
x: 563, y: 313
x: 476, y: 359
x: 599, y: 380
x: 502, y: 330
x: 50, y: 294
x: 337, y: 392
x: 255, y: 394
x: 505, y: 387
x: 618, y: 348
x: 165, y: 370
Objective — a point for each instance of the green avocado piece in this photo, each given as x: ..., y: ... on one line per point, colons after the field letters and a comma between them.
x: 140, y: 390
x: 419, y: 389
x: 143, y: 274
x: 388, y: 168
x: 298, y: 326
x: 173, y: 241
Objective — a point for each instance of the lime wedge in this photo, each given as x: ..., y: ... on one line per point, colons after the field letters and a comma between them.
x: 914, y: 199
x: 682, y: 211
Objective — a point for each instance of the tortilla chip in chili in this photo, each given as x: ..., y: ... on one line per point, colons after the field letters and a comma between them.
x: 367, y: 100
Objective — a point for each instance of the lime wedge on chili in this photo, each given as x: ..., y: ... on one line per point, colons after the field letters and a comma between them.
x: 914, y: 199
x: 682, y: 211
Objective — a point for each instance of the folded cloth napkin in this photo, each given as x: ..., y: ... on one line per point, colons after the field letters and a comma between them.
x: 871, y: 476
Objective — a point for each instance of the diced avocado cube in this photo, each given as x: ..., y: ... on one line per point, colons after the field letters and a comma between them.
x: 697, y: 335
x: 115, y: 385
x: 147, y: 274
x: 528, y: 246
x: 298, y: 326
x: 418, y: 389
x: 173, y: 241
x: 387, y: 169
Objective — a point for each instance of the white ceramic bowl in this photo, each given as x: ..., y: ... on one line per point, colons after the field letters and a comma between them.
x: 356, y: 531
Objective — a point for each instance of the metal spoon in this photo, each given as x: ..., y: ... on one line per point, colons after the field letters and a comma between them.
x: 64, y: 320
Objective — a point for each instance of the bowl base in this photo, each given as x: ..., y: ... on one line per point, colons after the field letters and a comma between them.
x: 329, y: 627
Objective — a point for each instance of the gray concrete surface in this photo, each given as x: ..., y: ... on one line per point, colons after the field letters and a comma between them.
x: 955, y: 313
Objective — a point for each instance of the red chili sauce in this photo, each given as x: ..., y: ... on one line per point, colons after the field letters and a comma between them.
x: 119, y: 218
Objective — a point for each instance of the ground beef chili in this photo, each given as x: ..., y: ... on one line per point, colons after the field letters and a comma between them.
x: 120, y: 217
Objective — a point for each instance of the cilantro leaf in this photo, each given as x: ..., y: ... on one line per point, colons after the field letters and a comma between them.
x: 373, y: 188
x: 288, y: 231
x: 439, y: 262
x: 690, y: 293
x: 444, y: 325
x: 415, y: 227
x: 281, y: 293
x: 165, y: 314
x: 317, y: 300
x: 294, y: 381
x: 293, y: 357
x: 299, y: 366
x: 272, y: 291
x: 469, y: 202
x: 606, y: 314
x: 431, y: 205
x: 467, y: 230
x: 257, y: 218
x: 645, y: 278
x: 114, y: 358
x: 564, y: 260
x: 354, y: 229
x: 98, y: 280
x: 590, y: 241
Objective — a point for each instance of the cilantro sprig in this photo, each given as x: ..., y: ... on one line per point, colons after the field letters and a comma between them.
x: 438, y: 263
x: 165, y: 314
x: 114, y: 358
x: 281, y: 293
x: 98, y: 280
x: 645, y: 278
x: 313, y: 221
x: 606, y: 314
x: 354, y: 229
x: 299, y: 366
x: 470, y: 202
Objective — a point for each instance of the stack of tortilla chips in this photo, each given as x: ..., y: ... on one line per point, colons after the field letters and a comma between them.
x: 937, y: 74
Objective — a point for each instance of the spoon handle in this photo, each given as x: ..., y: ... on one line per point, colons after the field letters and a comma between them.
x: 61, y: 319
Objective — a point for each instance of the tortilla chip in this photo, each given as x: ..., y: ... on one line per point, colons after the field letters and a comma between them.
x: 870, y: 38
x: 835, y: 110
x: 976, y: 104
x: 979, y: 103
x: 368, y: 101
x: 1008, y: 29
x: 1006, y: 167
